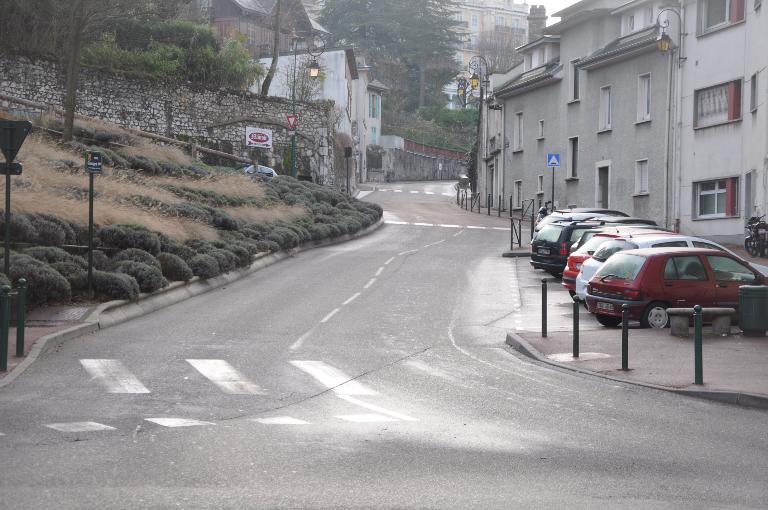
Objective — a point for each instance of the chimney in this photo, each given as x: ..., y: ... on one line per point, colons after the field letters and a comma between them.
x: 537, y: 22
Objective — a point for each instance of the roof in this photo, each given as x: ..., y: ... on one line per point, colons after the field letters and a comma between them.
x: 377, y: 85
x: 576, y: 19
x: 538, y: 42
x: 643, y: 41
x: 649, y: 252
x: 543, y: 75
x: 254, y: 6
x: 575, y: 8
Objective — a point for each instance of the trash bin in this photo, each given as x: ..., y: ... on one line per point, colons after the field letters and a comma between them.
x: 753, y: 310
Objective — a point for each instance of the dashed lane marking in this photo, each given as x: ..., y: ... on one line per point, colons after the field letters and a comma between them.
x: 114, y: 376
x: 329, y: 316
x: 389, y: 261
x: 332, y: 378
x: 80, y: 426
x: 429, y: 192
x: 449, y: 226
x: 370, y: 283
x: 415, y: 192
x: 434, y: 244
x: 409, y: 252
x: 226, y: 377
x: 281, y: 420
x: 179, y: 422
x: 376, y: 408
x: 424, y: 224
x: 348, y: 301
x: 471, y: 227
x: 381, y: 270
x: 366, y: 418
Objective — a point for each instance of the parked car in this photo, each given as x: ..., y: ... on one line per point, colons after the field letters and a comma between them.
x: 633, y: 242
x: 624, y: 220
x: 578, y: 214
x: 551, y: 246
x: 613, y: 229
x: 651, y: 280
x: 264, y: 171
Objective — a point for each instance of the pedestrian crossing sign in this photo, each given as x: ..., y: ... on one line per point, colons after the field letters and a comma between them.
x: 553, y: 160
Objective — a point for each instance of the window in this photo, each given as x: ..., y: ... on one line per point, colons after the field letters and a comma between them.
x: 501, y: 21
x: 717, y: 105
x: 474, y: 20
x: 541, y: 130
x: 685, y: 268
x: 753, y: 93
x: 605, y: 108
x: 728, y: 270
x: 518, y: 195
x: 374, y: 106
x: 374, y: 136
x: 644, y: 98
x: 671, y: 244
x: 708, y: 246
x: 574, y: 81
x: 630, y: 23
x: 715, y: 14
x: 622, y: 266
x: 717, y: 198
x: 573, y: 144
x: 649, y: 16
x: 641, y: 177
x: 518, y: 131
x: 540, y: 185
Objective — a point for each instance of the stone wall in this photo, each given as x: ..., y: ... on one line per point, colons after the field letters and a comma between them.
x: 403, y: 160
x: 211, y: 117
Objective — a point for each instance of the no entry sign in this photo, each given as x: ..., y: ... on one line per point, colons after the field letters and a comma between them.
x: 258, y: 137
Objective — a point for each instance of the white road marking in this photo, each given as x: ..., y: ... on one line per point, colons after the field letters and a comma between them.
x: 225, y: 376
x: 448, y: 195
x: 82, y: 426
x: 424, y: 224
x: 281, y: 420
x: 398, y: 191
x: 409, y: 252
x: 397, y: 223
x: 1, y: 434
x: 363, y: 194
x: 503, y: 229
x: 429, y: 192
x: 298, y: 343
x: 329, y: 316
x: 178, y: 422
x: 415, y: 192
x: 478, y: 228
x: 450, y: 226
x: 112, y: 374
x: 376, y: 409
x: 333, y: 378
x: 366, y: 418
x: 423, y: 367
x: 434, y: 244
x: 370, y: 283
x: 567, y: 357
x: 381, y: 270
x: 348, y: 301
x: 389, y: 261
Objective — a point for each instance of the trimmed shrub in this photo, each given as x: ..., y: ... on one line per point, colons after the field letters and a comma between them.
x: 174, y: 268
x: 320, y: 231
x: 135, y: 255
x: 227, y: 260
x: 48, y: 232
x: 22, y: 230
x: 243, y: 255
x: 52, y: 255
x: 129, y: 236
x: 180, y: 250
x: 76, y: 275
x: 284, y: 237
x: 44, y: 284
x: 4, y: 280
x: 204, y: 266
x: 100, y: 260
x: 115, y: 285
x: 268, y: 246
x: 149, y: 278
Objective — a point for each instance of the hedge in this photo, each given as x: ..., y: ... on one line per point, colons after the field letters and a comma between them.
x: 129, y: 236
x: 174, y: 268
x: 149, y: 278
x: 76, y: 275
x: 205, y: 266
x: 44, y: 284
x: 115, y: 285
x: 135, y: 255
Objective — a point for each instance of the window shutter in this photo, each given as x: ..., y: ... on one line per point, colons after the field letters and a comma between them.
x: 731, y: 196
x: 737, y: 10
x: 734, y: 100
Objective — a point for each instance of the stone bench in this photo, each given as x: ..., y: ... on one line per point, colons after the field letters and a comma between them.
x: 680, y: 320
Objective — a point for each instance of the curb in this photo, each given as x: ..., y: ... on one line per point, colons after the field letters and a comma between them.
x: 753, y: 400
x: 113, y: 313
x: 516, y: 254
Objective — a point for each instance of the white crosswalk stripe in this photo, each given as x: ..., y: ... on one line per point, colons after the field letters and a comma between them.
x: 366, y: 418
x: 178, y: 422
x: 226, y: 377
x: 114, y: 376
x: 281, y: 420
x: 80, y: 426
x: 333, y: 378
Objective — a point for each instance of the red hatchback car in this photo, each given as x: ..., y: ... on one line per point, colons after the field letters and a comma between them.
x: 651, y: 280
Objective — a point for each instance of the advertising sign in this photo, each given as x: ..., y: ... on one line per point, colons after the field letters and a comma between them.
x: 258, y: 137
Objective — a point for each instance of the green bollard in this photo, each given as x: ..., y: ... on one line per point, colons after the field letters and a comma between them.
x: 5, y: 312
x: 576, y: 310
x: 21, y: 320
x: 697, y: 347
x: 544, y: 308
x: 625, y: 337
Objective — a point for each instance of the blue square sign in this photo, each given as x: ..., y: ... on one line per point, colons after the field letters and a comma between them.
x: 553, y: 160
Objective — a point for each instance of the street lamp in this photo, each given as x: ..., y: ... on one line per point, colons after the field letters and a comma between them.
x: 461, y: 86
x: 664, y: 42
x: 313, y: 51
x: 314, y: 69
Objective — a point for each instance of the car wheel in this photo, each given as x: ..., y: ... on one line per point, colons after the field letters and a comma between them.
x: 555, y: 274
x: 608, y: 321
x: 655, y: 316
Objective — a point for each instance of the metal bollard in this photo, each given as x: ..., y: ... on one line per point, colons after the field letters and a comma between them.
x: 576, y: 310
x: 489, y: 204
x: 501, y: 201
x: 625, y: 337
x: 544, y: 308
x: 697, y: 347
x: 5, y: 312
x: 21, y: 319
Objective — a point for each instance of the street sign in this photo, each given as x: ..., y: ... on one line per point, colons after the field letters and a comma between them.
x: 10, y: 169
x: 258, y: 137
x: 293, y: 119
x: 12, y: 136
x: 93, y: 162
x: 553, y: 160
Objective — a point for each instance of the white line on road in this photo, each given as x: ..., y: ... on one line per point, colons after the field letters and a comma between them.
x: 363, y: 194
x: 397, y: 223
x: 409, y: 252
x: 298, y: 343
x: 389, y: 261
x: 112, y: 374
x: 83, y: 426
x: 398, y: 191
x: 370, y: 283
x: 381, y: 270
x: 376, y: 409
x: 365, y: 418
x: 225, y: 376
x: 348, y: 301
x: 429, y: 192
x: 434, y: 244
x: 415, y: 192
x: 178, y: 422
x: 424, y: 224
x: 333, y: 378
x: 449, y: 195
x: 281, y: 420
x: 329, y: 316
x: 478, y: 228
x: 450, y: 226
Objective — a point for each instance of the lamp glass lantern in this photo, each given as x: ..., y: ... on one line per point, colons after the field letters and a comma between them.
x: 314, y: 69
x: 475, y: 81
x: 664, y: 43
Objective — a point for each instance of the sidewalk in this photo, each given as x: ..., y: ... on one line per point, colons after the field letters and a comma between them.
x: 735, y: 368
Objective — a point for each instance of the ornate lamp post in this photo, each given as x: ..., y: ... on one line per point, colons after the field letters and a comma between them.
x: 314, y: 50
x: 462, y: 87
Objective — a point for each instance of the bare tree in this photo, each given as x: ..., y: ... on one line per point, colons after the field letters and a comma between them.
x: 498, y: 48
x: 307, y: 88
x: 275, y: 51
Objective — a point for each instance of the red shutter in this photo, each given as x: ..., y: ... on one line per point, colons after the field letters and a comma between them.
x: 732, y: 196
x: 734, y: 100
x: 737, y: 10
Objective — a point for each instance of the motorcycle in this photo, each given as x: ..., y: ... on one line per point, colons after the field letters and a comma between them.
x: 757, y: 235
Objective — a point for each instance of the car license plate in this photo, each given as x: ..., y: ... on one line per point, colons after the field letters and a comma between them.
x: 543, y: 251
x: 607, y: 307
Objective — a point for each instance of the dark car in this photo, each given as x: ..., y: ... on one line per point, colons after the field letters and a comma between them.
x: 552, y: 245
x: 650, y: 280
x: 578, y: 214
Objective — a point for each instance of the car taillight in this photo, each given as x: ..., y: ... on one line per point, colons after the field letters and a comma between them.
x: 563, y: 249
x: 633, y: 294
x: 578, y: 265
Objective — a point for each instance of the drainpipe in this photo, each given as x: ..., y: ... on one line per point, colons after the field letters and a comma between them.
x: 667, y: 142
x: 503, y: 167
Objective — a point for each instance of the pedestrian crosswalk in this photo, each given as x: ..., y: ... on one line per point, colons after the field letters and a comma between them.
x: 440, y: 225
x: 414, y: 192
x: 113, y: 376
x: 225, y: 376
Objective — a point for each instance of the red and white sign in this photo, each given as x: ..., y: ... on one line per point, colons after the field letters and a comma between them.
x: 258, y: 137
x: 293, y: 119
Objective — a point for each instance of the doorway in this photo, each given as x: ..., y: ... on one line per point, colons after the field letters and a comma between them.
x: 603, y: 186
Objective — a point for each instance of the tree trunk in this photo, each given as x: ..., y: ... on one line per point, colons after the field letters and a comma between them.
x: 422, y: 84
x: 73, y: 50
x: 275, y: 53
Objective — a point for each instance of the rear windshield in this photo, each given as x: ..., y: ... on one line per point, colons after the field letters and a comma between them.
x: 577, y: 233
x: 623, y: 266
x: 611, y: 247
x: 549, y: 234
x: 593, y: 244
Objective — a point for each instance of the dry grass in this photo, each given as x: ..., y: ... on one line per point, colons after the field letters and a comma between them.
x: 281, y: 213
x: 233, y: 185
x: 158, y: 152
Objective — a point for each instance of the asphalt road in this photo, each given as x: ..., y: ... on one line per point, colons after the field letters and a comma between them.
x: 371, y: 374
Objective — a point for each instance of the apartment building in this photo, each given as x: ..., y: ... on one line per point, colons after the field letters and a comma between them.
x: 485, y: 21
